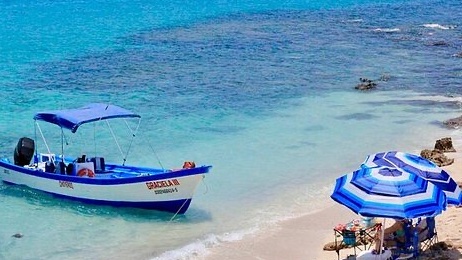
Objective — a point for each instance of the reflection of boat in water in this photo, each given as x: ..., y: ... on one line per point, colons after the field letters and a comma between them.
x: 92, y: 180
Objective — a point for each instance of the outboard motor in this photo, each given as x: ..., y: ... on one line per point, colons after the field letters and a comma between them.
x: 24, y: 151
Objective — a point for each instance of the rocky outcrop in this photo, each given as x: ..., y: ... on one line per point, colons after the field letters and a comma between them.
x: 454, y: 123
x: 445, y: 145
x: 436, y: 156
x: 439, y: 43
x: 366, y: 84
x: 385, y: 77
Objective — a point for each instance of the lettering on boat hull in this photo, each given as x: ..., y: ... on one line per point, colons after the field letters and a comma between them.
x: 171, y: 190
x: 154, y: 185
x: 66, y: 184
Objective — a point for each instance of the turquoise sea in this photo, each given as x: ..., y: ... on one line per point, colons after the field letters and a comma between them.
x: 261, y: 90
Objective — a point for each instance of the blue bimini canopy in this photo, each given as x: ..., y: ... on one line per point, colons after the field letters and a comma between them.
x: 72, y: 118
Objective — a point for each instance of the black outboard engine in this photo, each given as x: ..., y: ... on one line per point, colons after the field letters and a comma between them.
x: 24, y: 151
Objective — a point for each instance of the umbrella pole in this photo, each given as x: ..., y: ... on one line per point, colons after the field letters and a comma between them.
x: 379, y: 244
x: 382, y: 241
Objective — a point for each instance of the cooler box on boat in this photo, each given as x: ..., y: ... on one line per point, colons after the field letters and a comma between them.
x: 99, y: 164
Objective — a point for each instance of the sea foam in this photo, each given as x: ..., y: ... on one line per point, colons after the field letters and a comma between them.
x: 202, y: 247
x: 387, y: 30
x: 439, y: 26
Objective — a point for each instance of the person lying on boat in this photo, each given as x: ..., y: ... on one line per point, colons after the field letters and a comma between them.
x: 189, y: 165
x: 186, y: 165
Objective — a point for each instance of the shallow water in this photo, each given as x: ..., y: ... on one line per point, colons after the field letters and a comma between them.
x: 264, y: 92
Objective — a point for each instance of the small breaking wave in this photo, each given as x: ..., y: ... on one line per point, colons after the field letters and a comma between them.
x: 359, y: 20
x: 439, y: 26
x: 387, y: 30
x: 201, y: 247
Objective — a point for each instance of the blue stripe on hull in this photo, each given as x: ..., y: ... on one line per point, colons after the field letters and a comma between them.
x: 173, y: 206
x: 111, y: 181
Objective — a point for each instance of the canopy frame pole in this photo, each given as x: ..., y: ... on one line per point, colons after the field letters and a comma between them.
x: 116, y: 141
x: 44, y: 140
x: 155, y: 153
x: 133, y: 132
x: 94, y: 138
x: 62, y: 145
x: 35, y: 145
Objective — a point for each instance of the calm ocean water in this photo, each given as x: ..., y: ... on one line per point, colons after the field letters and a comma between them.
x: 263, y: 91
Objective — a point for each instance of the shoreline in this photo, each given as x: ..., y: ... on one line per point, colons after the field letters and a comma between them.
x: 299, y: 238
x: 304, y: 237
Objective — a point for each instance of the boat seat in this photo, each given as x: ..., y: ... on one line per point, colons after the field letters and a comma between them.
x: 99, y: 164
x: 61, y: 168
x: 50, y: 167
x: 70, y: 169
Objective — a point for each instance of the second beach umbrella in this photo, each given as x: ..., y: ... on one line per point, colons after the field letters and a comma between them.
x: 389, y: 193
x: 419, y: 166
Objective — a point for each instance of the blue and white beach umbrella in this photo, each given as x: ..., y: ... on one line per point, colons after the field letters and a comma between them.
x: 389, y: 193
x: 419, y: 166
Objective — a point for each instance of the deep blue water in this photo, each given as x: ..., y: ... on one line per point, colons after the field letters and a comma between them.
x: 264, y: 91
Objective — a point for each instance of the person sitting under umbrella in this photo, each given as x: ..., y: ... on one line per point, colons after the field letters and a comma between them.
x: 395, y: 234
x: 392, y: 235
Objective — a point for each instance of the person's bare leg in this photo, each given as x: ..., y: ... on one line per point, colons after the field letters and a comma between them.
x: 378, y: 242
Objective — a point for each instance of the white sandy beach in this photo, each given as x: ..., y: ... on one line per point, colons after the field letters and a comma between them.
x: 304, y: 237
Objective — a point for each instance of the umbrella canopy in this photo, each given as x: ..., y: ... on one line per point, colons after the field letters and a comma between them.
x: 419, y: 166
x: 389, y: 193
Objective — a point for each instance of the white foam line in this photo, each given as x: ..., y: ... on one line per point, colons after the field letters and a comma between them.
x: 438, y: 26
x: 387, y: 30
x: 201, y: 248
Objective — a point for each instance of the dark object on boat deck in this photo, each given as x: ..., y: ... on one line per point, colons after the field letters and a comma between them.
x: 82, y: 159
x: 61, y: 168
x: 50, y: 167
x: 99, y: 164
x: 70, y: 169
x: 24, y: 151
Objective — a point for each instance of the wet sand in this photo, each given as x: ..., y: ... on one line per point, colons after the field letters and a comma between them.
x: 305, y: 237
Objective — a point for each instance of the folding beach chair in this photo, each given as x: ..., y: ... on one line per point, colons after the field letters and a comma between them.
x: 409, y: 249
x: 431, y: 237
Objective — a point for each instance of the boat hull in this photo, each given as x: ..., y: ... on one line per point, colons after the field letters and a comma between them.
x: 169, y: 191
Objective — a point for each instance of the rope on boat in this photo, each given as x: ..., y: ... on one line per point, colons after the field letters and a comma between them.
x: 206, y: 186
x: 190, y: 196
x: 133, y: 132
x: 176, y: 213
x: 157, y: 156
x: 35, y: 145
x: 62, y: 145
x: 116, y: 141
